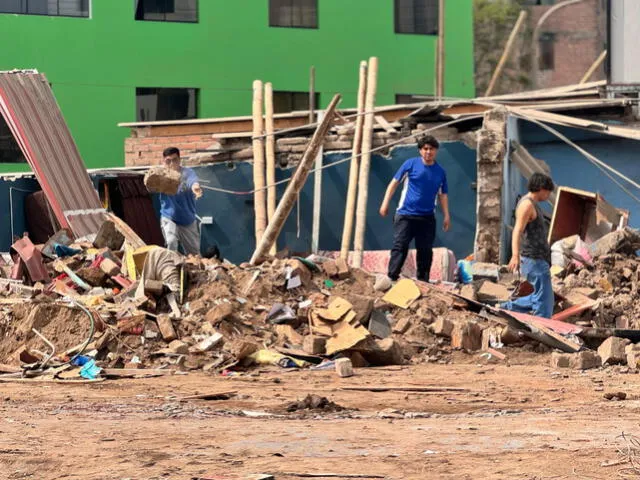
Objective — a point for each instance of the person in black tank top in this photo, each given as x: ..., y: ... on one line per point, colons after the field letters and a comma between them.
x: 531, y: 254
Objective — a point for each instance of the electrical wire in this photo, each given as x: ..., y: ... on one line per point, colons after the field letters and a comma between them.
x: 602, y: 166
x: 347, y: 159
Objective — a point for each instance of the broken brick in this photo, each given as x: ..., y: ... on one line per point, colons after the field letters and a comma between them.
x: 633, y: 355
x: 612, y: 351
x: 161, y: 179
x: 219, y: 313
x: 467, y: 336
x: 166, y: 328
x: 314, y: 345
x: 492, y: 292
x: 443, y: 327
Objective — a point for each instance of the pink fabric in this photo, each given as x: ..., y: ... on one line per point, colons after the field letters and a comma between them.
x: 377, y: 261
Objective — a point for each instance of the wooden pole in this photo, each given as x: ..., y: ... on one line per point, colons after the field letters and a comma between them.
x: 312, y: 94
x: 271, y: 156
x: 317, y: 196
x: 594, y: 67
x: 440, y: 53
x: 347, y: 231
x: 295, y: 185
x: 505, y: 54
x: 259, y: 197
x: 365, y: 162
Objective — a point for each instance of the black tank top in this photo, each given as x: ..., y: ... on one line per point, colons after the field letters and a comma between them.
x: 534, y: 240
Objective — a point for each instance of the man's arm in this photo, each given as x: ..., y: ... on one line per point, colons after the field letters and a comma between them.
x: 388, y: 195
x: 194, y: 181
x: 443, y: 199
x: 523, y: 216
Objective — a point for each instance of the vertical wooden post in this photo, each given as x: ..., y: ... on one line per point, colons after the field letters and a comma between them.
x: 295, y: 185
x: 347, y: 231
x: 312, y: 94
x: 271, y: 155
x: 317, y: 196
x: 259, y: 196
x: 507, y: 51
x: 365, y: 162
x: 440, y: 53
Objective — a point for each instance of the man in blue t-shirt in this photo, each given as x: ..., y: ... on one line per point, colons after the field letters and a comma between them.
x: 178, y: 212
x: 424, y: 180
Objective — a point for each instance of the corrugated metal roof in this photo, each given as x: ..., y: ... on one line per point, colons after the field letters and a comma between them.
x: 32, y: 113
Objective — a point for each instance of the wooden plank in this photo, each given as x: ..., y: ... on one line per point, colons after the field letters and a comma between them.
x: 380, y: 120
x: 211, y: 396
x: 403, y: 388
x: 135, y: 372
x: 81, y: 381
x: 130, y: 236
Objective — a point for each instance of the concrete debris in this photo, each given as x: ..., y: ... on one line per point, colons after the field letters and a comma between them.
x: 612, y: 351
x: 162, y: 180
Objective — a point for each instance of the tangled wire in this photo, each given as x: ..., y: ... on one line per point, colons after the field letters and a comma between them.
x: 629, y: 453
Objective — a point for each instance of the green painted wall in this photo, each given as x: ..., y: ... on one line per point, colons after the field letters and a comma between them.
x: 96, y: 64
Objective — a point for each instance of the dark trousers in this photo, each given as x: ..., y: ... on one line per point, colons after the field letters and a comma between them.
x: 405, y: 229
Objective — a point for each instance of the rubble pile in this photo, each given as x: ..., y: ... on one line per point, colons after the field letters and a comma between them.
x: 607, y: 281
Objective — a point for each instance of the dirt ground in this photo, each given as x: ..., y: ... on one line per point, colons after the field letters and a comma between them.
x: 523, y: 421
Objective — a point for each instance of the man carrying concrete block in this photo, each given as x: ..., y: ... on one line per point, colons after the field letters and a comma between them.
x: 424, y: 180
x: 178, y: 212
x: 531, y: 253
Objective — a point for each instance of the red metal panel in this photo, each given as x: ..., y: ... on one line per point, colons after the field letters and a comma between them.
x: 30, y: 109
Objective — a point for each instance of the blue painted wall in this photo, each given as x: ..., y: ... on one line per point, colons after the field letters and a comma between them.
x: 570, y: 168
x: 233, y: 227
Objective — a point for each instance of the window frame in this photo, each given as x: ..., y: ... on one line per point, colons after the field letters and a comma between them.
x: 396, y: 8
x: 292, y: 93
x: 547, y: 39
x: 89, y: 5
x: 317, y: 24
x: 196, y: 103
x: 197, y: 16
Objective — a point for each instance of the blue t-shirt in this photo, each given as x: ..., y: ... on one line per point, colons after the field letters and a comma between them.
x: 421, y: 185
x: 181, y: 207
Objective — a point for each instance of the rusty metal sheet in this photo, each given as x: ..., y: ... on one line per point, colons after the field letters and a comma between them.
x: 34, y: 117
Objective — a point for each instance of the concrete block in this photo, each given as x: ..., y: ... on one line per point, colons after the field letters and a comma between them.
x: 179, y: 347
x: 219, y: 313
x: 633, y: 355
x: 162, y: 180
x: 314, y: 345
x: 108, y: 236
x: 561, y: 360
x: 490, y: 292
x: 344, y: 367
x: 586, y: 360
x: 612, y: 351
x: 442, y: 327
x: 467, y: 336
x: 402, y: 325
x: 166, y: 328
x: 109, y: 267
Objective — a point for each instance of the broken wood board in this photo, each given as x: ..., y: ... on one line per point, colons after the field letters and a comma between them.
x: 127, y: 232
x: 403, y: 293
x: 404, y: 388
x: 135, y: 372
x: 79, y: 381
x: 211, y: 396
x: 345, y: 336
x: 335, y: 311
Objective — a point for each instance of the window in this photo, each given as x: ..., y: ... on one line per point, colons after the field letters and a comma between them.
x: 417, y: 16
x: 166, y: 104
x: 9, y: 150
x: 55, y: 8
x: 547, y: 51
x: 285, y: 102
x: 167, y: 10
x: 293, y: 13
x: 403, y: 98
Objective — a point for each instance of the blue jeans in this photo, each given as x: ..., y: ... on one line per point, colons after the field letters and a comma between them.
x: 540, y: 302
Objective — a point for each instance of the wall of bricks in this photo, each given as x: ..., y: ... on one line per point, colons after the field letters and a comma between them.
x: 580, y: 36
x: 145, y: 150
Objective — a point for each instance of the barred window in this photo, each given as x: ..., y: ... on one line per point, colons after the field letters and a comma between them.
x: 167, y: 10
x: 293, y: 13
x: 54, y: 8
x: 153, y: 104
x: 416, y: 16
